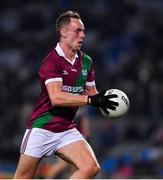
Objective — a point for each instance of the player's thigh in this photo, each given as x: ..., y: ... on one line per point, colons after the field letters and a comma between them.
x: 27, y: 166
x: 78, y: 153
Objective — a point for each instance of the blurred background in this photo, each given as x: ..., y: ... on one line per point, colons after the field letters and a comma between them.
x: 125, y: 40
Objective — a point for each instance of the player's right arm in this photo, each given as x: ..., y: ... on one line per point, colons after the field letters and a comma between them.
x: 60, y: 98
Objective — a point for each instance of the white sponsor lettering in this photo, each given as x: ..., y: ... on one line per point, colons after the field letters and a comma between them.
x: 73, y: 89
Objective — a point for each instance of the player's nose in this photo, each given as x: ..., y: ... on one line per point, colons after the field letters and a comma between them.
x: 82, y: 34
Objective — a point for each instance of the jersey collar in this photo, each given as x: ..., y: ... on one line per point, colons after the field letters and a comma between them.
x: 61, y: 53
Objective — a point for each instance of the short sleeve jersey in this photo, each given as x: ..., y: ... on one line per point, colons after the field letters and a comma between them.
x: 74, y: 76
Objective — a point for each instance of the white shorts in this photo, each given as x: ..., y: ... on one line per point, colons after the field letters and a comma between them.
x: 39, y: 142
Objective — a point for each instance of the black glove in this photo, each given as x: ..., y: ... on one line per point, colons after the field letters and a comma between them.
x: 100, y: 100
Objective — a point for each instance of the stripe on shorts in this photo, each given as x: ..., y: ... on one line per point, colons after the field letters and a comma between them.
x: 24, y: 144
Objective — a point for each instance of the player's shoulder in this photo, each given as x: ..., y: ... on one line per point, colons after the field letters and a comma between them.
x: 49, y: 61
x: 86, y: 56
x: 51, y: 56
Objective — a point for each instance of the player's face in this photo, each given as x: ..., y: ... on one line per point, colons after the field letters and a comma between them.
x: 74, y: 34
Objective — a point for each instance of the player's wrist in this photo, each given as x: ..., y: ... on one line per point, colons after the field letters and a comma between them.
x: 94, y: 101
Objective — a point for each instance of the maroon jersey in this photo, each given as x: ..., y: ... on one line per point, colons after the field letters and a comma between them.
x: 74, y: 75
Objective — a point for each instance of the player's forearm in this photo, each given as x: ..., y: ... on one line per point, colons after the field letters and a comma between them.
x: 68, y: 99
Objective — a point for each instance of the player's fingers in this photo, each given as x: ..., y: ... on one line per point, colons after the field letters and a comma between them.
x: 105, y: 110
x: 112, y: 108
x: 112, y: 96
x: 113, y: 103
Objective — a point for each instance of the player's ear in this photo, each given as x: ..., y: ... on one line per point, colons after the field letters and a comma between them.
x: 63, y: 32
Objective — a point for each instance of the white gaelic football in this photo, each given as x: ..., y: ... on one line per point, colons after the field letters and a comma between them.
x: 123, y: 107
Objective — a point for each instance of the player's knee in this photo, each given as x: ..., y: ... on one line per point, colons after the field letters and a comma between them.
x: 91, y: 169
x: 24, y: 174
x: 21, y: 175
x: 95, y: 169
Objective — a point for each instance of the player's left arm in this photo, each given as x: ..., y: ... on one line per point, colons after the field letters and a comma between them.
x: 90, y: 90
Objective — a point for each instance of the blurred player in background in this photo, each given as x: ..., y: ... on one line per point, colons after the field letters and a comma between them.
x: 67, y: 81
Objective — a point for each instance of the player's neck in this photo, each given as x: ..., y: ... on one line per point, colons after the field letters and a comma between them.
x: 69, y: 53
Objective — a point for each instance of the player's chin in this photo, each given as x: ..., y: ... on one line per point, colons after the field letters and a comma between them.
x: 79, y: 47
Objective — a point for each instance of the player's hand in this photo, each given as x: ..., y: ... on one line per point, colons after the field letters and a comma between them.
x: 102, y: 100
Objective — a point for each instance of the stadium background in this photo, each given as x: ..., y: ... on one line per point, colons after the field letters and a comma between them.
x: 125, y: 40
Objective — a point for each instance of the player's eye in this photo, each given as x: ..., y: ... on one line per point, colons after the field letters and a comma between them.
x: 77, y: 31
